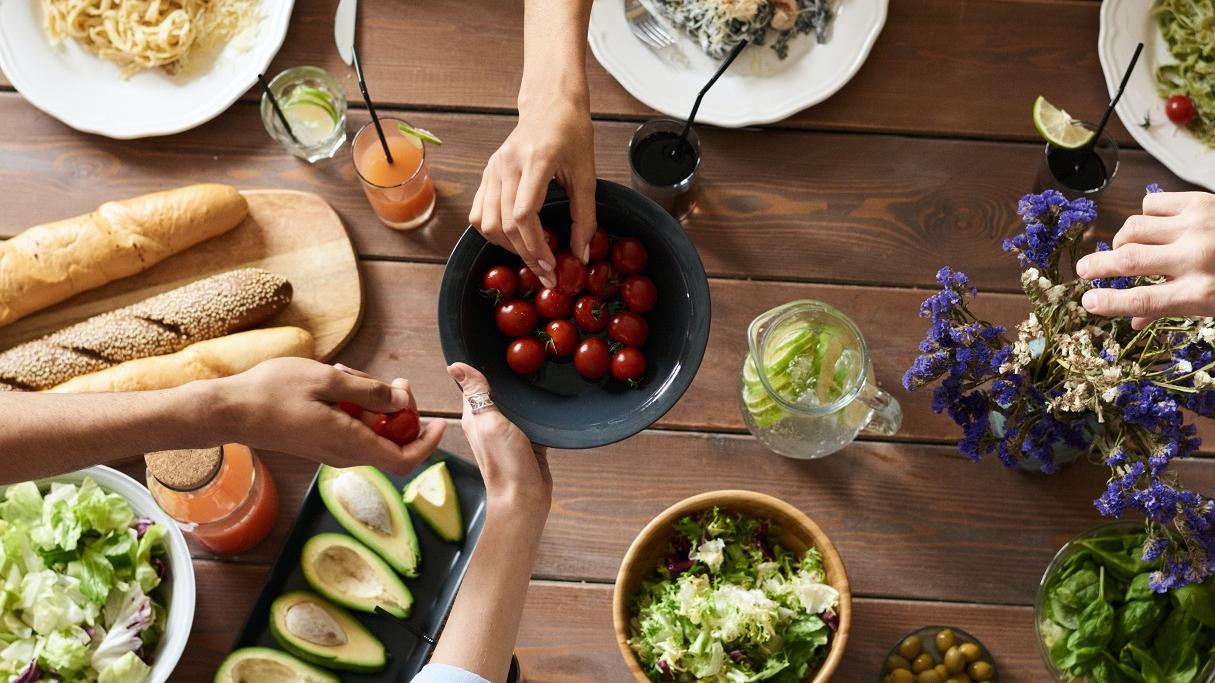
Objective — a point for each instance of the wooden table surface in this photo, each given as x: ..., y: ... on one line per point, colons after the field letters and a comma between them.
x: 918, y: 162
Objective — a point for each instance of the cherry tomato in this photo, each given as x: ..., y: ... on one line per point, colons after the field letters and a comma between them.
x: 629, y: 329
x: 562, y: 338
x: 628, y: 365
x: 592, y: 359
x: 601, y: 280
x: 529, y: 282
x: 571, y: 274
x: 525, y: 355
x: 500, y: 283
x: 401, y: 427
x: 550, y: 238
x: 553, y: 304
x: 601, y: 246
x: 515, y: 318
x: 639, y: 293
x: 590, y: 314
x: 1179, y: 109
x: 629, y: 256
x: 352, y: 409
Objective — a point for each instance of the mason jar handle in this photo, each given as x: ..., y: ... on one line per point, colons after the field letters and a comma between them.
x: 887, y: 413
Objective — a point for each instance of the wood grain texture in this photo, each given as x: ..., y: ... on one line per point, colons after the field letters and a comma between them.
x: 785, y: 205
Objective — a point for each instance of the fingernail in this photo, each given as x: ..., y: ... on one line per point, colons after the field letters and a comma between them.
x: 341, y: 367
x: 1082, y: 267
x: 457, y: 373
x: 548, y: 281
x: 586, y: 253
x: 546, y: 266
x: 1089, y: 299
x: 400, y: 397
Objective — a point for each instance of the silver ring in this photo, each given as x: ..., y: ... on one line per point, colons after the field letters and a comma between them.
x: 480, y: 401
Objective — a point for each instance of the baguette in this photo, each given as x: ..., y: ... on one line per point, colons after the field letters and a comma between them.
x: 49, y: 263
x: 167, y: 323
x: 210, y: 359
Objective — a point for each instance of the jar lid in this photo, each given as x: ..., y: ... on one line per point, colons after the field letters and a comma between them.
x: 187, y: 469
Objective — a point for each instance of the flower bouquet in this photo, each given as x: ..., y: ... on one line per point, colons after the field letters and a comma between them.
x: 1067, y: 383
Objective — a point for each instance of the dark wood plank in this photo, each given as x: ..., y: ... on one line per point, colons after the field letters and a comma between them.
x: 777, y: 204
x: 944, y: 67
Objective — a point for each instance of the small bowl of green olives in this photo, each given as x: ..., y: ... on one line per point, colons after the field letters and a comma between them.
x: 939, y: 654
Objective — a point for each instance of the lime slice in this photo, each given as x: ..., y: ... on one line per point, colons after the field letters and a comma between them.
x: 1058, y: 127
x: 304, y: 94
x: 419, y: 133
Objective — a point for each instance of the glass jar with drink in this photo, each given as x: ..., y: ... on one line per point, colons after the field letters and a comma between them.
x: 399, y: 189
x: 1084, y: 171
x: 314, y: 106
x: 665, y: 166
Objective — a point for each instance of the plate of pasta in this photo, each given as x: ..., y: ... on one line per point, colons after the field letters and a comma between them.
x: 138, y: 68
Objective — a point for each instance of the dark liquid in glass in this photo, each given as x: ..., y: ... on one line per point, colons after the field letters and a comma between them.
x: 663, y: 160
x: 1080, y: 169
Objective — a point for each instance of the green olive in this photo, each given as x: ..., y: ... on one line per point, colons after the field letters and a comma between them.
x: 945, y: 640
x: 955, y: 661
x: 897, y: 662
x: 970, y: 651
x: 902, y: 676
x: 980, y: 671
x: 940, y: 668
x: 958, y: 678
x: 911, y: 648
x: 929, y: 676
x: 922, y: 663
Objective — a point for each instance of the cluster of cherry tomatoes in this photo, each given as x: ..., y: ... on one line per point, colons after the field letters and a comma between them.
x: 610, y: 295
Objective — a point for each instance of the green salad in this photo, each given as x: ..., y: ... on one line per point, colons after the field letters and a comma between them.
x: 730, y: 605
x: 76, y: 570
x: 1188, y: 27
x: 1100, y: 620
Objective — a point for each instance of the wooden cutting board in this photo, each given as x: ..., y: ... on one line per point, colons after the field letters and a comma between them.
x: 294, y: 234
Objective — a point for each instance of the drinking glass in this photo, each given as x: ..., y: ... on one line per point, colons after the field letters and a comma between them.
x: 315, y: 106
x: 671, y: 180
x: 1079, y: 173
x: 807, y: 386
x: 402, y: 193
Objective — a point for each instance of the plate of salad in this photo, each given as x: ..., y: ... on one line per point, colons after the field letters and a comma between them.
x: 1169, y: 104
x: 732, y: 586
x: 96, y: 583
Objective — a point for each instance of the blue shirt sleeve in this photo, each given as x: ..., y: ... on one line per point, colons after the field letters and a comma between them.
x: 443, y: 673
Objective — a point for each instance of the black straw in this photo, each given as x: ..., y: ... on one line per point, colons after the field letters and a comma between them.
x: 358, y: 70
x: 683, y: 137
x: 1118, y: 95
x: 277, y: 109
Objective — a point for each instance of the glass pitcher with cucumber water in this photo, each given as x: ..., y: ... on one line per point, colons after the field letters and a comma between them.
x: 807, y: 384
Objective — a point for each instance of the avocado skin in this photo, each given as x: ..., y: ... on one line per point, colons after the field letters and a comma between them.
x: 300, y: 650
x: 223, y: 674
x: 372, y: 558
x: 453, y: 499
x: 407, y: 562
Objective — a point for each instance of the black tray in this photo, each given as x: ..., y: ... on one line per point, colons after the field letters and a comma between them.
x: 434, y: 590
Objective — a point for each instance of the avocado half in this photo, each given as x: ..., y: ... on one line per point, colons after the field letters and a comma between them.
x: 317, y: 631
x: 264, y: 665
x: 432, y: 495
x: 348, y: 573
x: 366, y: 503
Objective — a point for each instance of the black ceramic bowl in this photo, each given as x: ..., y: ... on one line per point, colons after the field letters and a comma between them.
x: 556, y: 407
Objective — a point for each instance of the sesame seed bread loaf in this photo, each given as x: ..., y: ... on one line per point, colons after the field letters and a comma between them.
x: 210, y: 359
x: 167, y: 323
x: 49, y: 263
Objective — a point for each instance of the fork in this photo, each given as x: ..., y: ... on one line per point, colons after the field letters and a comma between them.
x: 646, y: 26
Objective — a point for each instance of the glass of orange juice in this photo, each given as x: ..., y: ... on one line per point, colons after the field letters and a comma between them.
x: 402, y: 192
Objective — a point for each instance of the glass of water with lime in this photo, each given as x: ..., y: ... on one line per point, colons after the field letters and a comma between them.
x: 807, y: 386
x: 315, y: 108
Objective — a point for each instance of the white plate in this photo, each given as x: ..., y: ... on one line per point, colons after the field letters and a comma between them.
x: 1124, y: 24
x: 85, y: 92
x: 758, y: 88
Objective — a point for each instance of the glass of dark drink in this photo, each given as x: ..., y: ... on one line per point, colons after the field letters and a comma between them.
x: 1084, y: 172
x: 664, y: 167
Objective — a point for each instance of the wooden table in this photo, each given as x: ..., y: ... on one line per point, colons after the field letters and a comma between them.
x: 916, y: 163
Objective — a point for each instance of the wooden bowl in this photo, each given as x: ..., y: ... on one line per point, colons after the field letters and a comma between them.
x: 788, y: 525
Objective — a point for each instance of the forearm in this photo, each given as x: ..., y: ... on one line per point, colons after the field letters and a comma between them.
x: 554, y: 53
x: 484, y: 622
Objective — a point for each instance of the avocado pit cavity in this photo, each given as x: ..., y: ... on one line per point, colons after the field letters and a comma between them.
x: 264, y: 671
x: 311, y: 622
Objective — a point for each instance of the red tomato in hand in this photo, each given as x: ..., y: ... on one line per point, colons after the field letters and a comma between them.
x: 629, y: 329
x: 629, y: 256
x: 550, y: 238
x: 352, y: 409
x: 592, y: 359
x: 628, y: 365
x: 571, y: 274
x: 525, y: 355
x: 590, y: 314
x: 639, y: 293
x: 562, y: 338
x: 401, y: 427
x: 1179, y: 109
x: 601, y: 280
x: 499, y: 282
x: 601, y: 246
x: 529, y: 282
x: 515, y: 318
x: 553, y: 304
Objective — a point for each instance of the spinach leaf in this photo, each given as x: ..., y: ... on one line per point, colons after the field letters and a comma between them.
x: 1198, y: 601
x: 1122, y: 563
x: 1151, y: 669
x: 1106, y: 670
x: 1095, y: 628
x: 1138, y: 619
x: 1140, y: 588
x: 1069, y: 597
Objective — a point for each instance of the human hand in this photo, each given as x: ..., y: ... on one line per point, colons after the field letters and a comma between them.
x: 1175, y: 237
x: 551, y: 139
x: 515, y: 470
x: 287, y: 405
